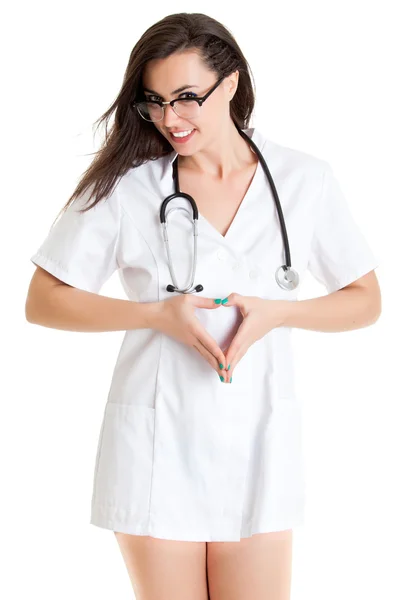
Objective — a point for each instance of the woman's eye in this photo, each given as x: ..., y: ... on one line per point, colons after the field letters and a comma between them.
x: 157, y: 99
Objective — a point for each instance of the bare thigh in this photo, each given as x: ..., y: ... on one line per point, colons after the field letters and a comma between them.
x: 259, y: 567
x: 164, y: 569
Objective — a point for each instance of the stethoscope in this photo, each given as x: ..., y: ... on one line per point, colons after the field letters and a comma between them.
x: 286, y: 277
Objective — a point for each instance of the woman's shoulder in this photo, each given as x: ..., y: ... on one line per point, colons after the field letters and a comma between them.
x: 147, y: 178
x: 289, y: 157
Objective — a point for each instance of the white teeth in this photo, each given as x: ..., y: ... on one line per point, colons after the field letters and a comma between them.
x: 182, y: 133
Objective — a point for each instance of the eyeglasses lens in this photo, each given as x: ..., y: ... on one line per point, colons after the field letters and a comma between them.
x: 151, y: 111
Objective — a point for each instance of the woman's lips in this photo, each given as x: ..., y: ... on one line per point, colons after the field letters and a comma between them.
x: 183, y: 140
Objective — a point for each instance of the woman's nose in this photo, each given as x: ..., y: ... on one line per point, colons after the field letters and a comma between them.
x: 170, y: 116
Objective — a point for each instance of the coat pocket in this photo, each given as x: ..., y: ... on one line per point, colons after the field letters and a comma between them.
x: 124, y: 460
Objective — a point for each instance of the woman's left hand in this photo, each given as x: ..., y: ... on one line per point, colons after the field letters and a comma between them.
x: 259, y: 317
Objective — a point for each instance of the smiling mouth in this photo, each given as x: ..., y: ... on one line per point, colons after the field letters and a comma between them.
x: 181, y: 132
x: 182, y: 137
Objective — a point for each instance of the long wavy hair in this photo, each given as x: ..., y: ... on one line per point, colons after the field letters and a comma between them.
x: 131, y: 140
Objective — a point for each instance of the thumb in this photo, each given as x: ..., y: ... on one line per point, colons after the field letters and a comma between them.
x: 203, y: 302
x: 236, y: 299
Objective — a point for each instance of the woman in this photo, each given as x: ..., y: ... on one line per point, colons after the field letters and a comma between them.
x: 198, y: 469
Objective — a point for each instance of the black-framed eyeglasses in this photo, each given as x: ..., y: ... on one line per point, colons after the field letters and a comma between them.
x: 187, y: 108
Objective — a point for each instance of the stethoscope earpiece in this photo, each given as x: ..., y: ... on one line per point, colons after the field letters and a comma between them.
x: 286, y: 277
x: 198, y: 288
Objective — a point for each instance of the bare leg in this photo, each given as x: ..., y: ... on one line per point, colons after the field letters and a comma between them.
x: 164, y: 569
x: 259, y: 567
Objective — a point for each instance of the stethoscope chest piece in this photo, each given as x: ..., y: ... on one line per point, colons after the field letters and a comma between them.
x: 287, y: 278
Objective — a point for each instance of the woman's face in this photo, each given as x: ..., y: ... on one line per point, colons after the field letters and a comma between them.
x: 165, y: 76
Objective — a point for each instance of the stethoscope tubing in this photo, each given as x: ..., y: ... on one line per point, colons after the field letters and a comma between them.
x: 275, y: 194
x: 195, y: 235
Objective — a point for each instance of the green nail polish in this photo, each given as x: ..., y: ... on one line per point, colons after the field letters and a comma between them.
x: 217, y: 301
x: 230, y: 381
x: 221, y: 366
x: 225, y: 300
x: 222, y: 378
x: 229, y: 366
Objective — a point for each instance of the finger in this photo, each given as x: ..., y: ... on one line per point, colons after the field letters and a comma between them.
x: 210, y: 350
x: 237, y: 348
x: 233, y: 350
x: 202, y: 302
x: 210, y: 358
x: 237, y: 357
x: 210, y: 346
x: 234, y: 299
x: 209, y: 343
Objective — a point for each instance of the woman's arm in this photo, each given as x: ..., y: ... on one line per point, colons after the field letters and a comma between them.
x: 53, y: 303
x: 352, y: 307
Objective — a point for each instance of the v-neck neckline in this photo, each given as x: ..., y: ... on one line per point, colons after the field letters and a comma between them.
x: 242, y: 205
x: 238, y: 213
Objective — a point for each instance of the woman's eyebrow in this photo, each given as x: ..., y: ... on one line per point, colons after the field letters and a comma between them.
x: 184, y: 87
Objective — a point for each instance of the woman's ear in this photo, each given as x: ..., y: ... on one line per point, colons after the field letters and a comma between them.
x: 232, y: 84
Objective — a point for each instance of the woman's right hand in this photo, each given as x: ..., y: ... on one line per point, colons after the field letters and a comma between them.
x: 177, y: 319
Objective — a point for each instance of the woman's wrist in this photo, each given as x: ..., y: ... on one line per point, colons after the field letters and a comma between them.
x: 152, y: 314
x: 284, y: 309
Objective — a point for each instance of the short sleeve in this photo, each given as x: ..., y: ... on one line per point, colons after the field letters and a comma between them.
x: 81, y: 248
x: 339, y: 252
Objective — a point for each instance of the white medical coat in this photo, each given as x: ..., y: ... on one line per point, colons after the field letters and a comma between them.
x: 180, y: 455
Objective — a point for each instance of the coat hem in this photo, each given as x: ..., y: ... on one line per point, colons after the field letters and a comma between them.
x: 221, y: 532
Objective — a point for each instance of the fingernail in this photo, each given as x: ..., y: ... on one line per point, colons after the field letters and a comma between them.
x: 221, y: 366
x: 217, y: 301
x: 229, y: 366
x: 225, y: 300
x: 230, y: 381
x: 222, y: 378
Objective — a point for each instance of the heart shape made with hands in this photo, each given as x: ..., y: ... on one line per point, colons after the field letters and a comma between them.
x: 221, y: 323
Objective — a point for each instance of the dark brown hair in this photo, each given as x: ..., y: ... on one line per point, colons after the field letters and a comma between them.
x: 132, y: 140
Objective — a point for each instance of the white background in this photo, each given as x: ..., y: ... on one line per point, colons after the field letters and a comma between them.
x: 326, y: 77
